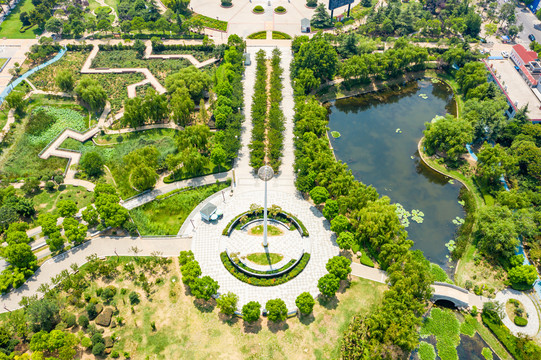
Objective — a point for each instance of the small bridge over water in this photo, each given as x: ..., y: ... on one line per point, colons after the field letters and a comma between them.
x: 460, y: 297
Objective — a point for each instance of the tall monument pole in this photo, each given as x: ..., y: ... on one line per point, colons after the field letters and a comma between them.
x: 265, y: 173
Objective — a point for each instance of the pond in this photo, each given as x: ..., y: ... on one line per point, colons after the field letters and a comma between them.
x: 379, y: 137
x: 470, y: 348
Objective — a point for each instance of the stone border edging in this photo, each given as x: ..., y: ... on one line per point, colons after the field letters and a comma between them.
x: 233, y: 223
x: 422, y: 157
x: 258, y: 220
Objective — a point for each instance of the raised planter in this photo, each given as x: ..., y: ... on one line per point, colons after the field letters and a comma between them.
x: 280, y: 10
x: 256, y: 279
x: 296, y: 222
x: 258, y: 10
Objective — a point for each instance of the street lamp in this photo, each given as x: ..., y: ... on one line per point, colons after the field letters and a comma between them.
x: 265, y: 173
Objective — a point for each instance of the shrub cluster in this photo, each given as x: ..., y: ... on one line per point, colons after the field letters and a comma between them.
x: 265, y: 281
x: 201, y: 287
x: 259, y: 9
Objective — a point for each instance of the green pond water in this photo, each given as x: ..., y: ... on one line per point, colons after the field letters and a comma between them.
x: 379, y: 137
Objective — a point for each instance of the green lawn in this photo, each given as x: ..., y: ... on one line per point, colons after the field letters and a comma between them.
x: 271, y: 230
x: 202, y: 333
x: 11, y: 27
x: 3, y: 61
x: 265, y: 258
x: 165, y: 217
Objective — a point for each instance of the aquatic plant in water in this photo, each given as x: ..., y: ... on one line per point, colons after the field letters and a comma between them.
x: 404, y: 215
x: 423, y: 96
x: 335, y: 134
x: 398, y: 131
x: 444, y: 325
x: 426, y: 351
x: 458, y: 221
x: 451, y: 245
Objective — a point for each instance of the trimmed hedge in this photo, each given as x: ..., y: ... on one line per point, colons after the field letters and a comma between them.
x: 265, y: 282
x: 247, y: 268
x: 258, y: 35
x: 520, y: 321
x: 278, y: 35
x: 72, y: 47
x: 282, y: 216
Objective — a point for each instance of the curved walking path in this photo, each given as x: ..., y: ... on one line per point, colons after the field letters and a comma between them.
x: 532, y: 328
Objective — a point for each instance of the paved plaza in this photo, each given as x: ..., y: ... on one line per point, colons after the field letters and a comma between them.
x: 243, y: 22
x: 208, y: 242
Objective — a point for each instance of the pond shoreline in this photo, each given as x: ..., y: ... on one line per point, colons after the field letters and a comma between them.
x: 404, y: 87
x: 382, y: 85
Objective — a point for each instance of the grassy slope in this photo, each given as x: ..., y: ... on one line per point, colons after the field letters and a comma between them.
x: 165, y: 217
x: 204, y: 334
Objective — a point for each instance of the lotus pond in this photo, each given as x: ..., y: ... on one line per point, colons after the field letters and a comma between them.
x: 379, y: 137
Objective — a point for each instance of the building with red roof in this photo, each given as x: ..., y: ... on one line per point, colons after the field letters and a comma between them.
x: 521, y: 56
x: 525, y: 60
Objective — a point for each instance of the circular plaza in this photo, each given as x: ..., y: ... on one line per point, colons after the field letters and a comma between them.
x: 285, y: 242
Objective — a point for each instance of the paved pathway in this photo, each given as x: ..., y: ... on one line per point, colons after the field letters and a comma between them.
x: 151, y: 195
x: 533, y: 317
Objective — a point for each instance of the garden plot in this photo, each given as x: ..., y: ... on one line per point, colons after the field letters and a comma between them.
x: 46, y: 118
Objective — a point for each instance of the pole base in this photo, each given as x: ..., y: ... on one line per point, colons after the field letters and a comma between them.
x: 262, y: 244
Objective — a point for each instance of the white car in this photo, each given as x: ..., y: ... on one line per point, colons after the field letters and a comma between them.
x: 505, y: 54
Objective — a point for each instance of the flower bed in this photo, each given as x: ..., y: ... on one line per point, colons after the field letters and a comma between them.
x: 261, y: 35
x: 278, y: 35
x: 244, y: 218
x: 258, y: 281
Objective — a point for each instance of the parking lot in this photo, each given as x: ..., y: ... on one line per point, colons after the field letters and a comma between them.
x: 517, y: 89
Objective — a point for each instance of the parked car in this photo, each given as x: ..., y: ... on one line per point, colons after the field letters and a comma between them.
x: 531, y: 37
x: 505, y: 54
